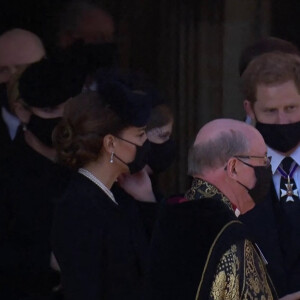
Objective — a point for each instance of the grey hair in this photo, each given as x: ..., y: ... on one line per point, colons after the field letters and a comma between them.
x: 216, y: 152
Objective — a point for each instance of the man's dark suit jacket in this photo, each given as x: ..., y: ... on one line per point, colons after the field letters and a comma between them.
x: 270, y: 227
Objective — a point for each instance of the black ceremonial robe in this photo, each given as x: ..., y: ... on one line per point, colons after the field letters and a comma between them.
x: 200, y: 251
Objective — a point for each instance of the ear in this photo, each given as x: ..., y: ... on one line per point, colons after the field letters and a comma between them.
x: 231, y: 168
x: 248, y: 107
x: 21, y: 112
x: 109, y: 142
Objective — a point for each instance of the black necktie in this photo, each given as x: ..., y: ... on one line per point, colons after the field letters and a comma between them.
x: 289, y: 200
x: 288, y: 188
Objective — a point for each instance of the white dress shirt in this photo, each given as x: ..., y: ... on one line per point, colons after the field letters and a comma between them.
x: 275, y: 163
x: 11, y: 121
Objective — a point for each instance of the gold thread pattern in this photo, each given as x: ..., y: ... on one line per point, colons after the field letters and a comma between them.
x: 241, y: 263
x: 256, y: 285
x: 240, y: 274
x: 202, y: 189
x: 226, y: 283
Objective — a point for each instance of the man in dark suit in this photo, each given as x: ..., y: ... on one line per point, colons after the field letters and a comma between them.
x: 18, y: 49
x: 271, y: 85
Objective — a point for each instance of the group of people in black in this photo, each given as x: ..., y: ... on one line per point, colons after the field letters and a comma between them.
x: 82, y: 144
x: 75, y: 125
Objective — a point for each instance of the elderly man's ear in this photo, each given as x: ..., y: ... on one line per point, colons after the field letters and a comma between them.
x: 231, y: 168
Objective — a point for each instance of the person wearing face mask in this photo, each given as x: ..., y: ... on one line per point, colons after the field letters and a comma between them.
x: 272, y: 100
x: 86, y: 37
x: 130, y: 187
x: 18, y: 49
x: 200, y: 249
x: 161, y: 154
x: 98, y: 237
x: 31, y: 179
x: 162, y: 150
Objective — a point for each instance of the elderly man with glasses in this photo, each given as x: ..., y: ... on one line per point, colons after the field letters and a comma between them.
x: 200, y: 248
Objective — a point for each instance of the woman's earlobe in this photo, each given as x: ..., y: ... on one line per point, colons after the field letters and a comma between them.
x: 109, y: 143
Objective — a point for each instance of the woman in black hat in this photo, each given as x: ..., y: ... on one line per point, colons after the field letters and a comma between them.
x: 99, y: 241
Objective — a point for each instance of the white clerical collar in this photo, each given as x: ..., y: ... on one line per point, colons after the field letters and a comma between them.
x: 278, y: 157
x: 237, y: 212
x: 93, y: 178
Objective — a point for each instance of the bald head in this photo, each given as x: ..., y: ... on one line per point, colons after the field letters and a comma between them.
x: 18, y: 48
x: 219, y: 140
x: 215, y: 128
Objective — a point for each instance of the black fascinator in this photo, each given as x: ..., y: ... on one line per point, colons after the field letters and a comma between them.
x: 131, y: 103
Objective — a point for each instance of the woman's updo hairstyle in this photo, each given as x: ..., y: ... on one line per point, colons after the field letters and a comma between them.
x: 89, y: 117
x: 79, y: 135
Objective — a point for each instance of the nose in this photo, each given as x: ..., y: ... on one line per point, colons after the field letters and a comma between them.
x: 145, y: 139
x: 283, y: 118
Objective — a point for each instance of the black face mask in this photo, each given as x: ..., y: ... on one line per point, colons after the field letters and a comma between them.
x: 91, y: 56
x: 141, y: 157
x: 42, y: 128
x: 161, y: 156
x: 280, y: 137
x: 263, y: 181
x: 100, y: 55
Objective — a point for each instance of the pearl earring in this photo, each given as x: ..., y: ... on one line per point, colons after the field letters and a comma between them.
x: 112, y: 158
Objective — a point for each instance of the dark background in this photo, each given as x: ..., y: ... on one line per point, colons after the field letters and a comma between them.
x: 189, y: 48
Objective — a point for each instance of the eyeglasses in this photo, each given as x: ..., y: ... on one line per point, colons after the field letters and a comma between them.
x: 267, y: 159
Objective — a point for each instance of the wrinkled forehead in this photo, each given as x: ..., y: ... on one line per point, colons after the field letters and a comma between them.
x: 96, y: 21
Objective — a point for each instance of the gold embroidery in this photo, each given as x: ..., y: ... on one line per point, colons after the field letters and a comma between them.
x: 209, y: 255
x: 256, y: 285
x: 241, y: 273
x: 202, y: 189
x: 226, y: 283
x: 230, y: 274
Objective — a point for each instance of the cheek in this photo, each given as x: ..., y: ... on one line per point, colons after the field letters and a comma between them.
x: 247, y: 177
x: 126, y: 152
x: 131, y: 154
x: 251, y: 180
x: 138, y: 140
x: 4, y: 77
x: 262, y: 116
x: 153, y: 137
x: 295, y: 117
